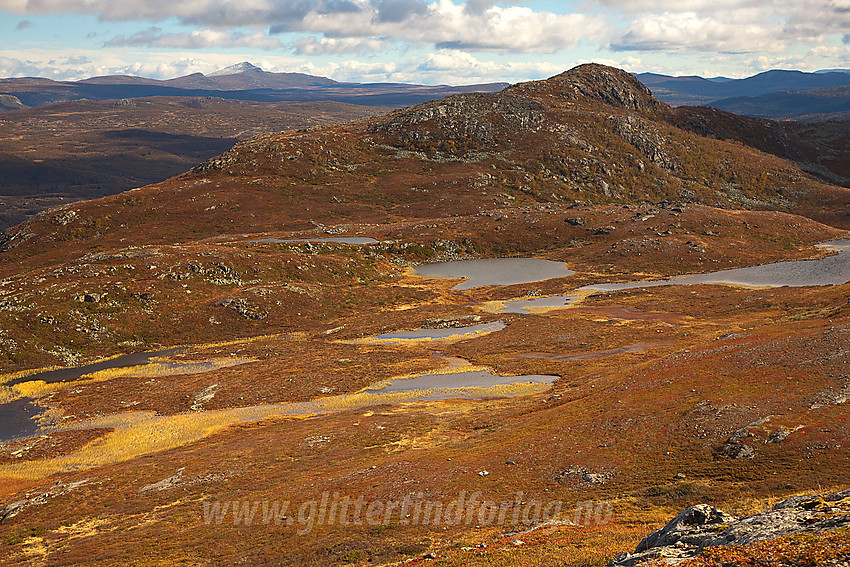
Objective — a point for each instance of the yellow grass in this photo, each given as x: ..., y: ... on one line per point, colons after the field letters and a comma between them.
x: 248, y: 340
x: 496, y: 306
x: 165, y: 367
x: 460, y: 336
x: 6, y: 378
x: 156, y: 369
x: 139, y: 433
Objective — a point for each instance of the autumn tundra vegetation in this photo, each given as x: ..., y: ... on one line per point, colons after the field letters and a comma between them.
x: 322, y: 402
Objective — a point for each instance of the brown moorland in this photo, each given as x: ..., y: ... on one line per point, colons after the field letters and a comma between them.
x: 85, y: 149
x: 639, y: 432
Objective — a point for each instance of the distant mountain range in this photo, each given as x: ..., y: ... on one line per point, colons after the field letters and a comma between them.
x: 240, y: 77
x: 243, y: 81
x: 814, y: 105
x: 694, y: 91
x: 778, y: 95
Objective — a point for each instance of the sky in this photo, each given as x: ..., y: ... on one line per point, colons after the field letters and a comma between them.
x: 420, y: 41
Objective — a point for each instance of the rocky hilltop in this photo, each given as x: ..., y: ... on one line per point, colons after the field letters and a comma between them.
x: 593, y: 82
x: 593, y: 134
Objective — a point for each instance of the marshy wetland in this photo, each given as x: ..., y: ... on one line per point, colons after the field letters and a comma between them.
x: 526, y: 361
x: 19, y: 415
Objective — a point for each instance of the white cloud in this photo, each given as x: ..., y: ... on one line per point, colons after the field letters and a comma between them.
x: 456, y: 67
x: 679, y: 6
x: 331, y: 45
x: 353, y: 70
x: 831, y: 52
x: 441, y: 67
x: 688, y: 36
x: 449, y: 25
x: 743, y: 26
x: 197, y: 39
x: 209, y: 13
x: 476, y: 25
x: 816, y: 18
x: 678, y: 31
x: 800, y: 62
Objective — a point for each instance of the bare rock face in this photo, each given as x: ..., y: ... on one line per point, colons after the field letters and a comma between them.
x: 694, y: 526
x: 596, y: 82
x: 701, y: 526
x: 10, y: 102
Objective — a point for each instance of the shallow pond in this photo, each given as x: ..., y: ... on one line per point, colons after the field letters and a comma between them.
x: 832, y: 270
x: 76, y: 372
x: 138, y: 433
x: 447, y: 333
x: 18, y: 419
x: 452, y: 384
x: 341, y: 239
x: 495, y: 271
x: 17, y: 416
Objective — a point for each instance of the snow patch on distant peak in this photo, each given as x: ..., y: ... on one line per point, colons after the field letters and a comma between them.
x: 235, y: 69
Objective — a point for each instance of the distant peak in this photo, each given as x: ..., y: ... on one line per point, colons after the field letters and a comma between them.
x: 243, y: 67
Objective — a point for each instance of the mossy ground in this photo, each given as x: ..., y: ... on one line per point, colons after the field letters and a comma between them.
x: 720, y: 359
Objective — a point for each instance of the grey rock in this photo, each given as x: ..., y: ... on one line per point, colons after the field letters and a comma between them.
x: 243, y: 308
x: 735, y: 449
x: 694, y: 526
x: 65, y: 217
x: 781, y: 435
x: 58, y: 489
x: 595, y: 478
x: 701, y: 526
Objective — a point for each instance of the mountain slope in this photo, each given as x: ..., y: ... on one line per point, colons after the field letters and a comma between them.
x: 593, y: 134
x: 662, y: 396
x: 87, y: 149
x: 820, y: 148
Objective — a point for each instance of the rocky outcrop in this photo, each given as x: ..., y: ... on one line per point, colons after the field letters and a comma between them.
x: 466, y: 123
x: 702, y: 526
x: 600, y: 83
x: 243, y: 308
x: 10, y: 102
x: 462, y: 123
x: 43, y: 496
x: 643, y: 135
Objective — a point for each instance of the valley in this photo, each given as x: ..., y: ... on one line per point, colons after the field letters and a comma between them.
x: 304, y: 329
x: 70, y: 151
